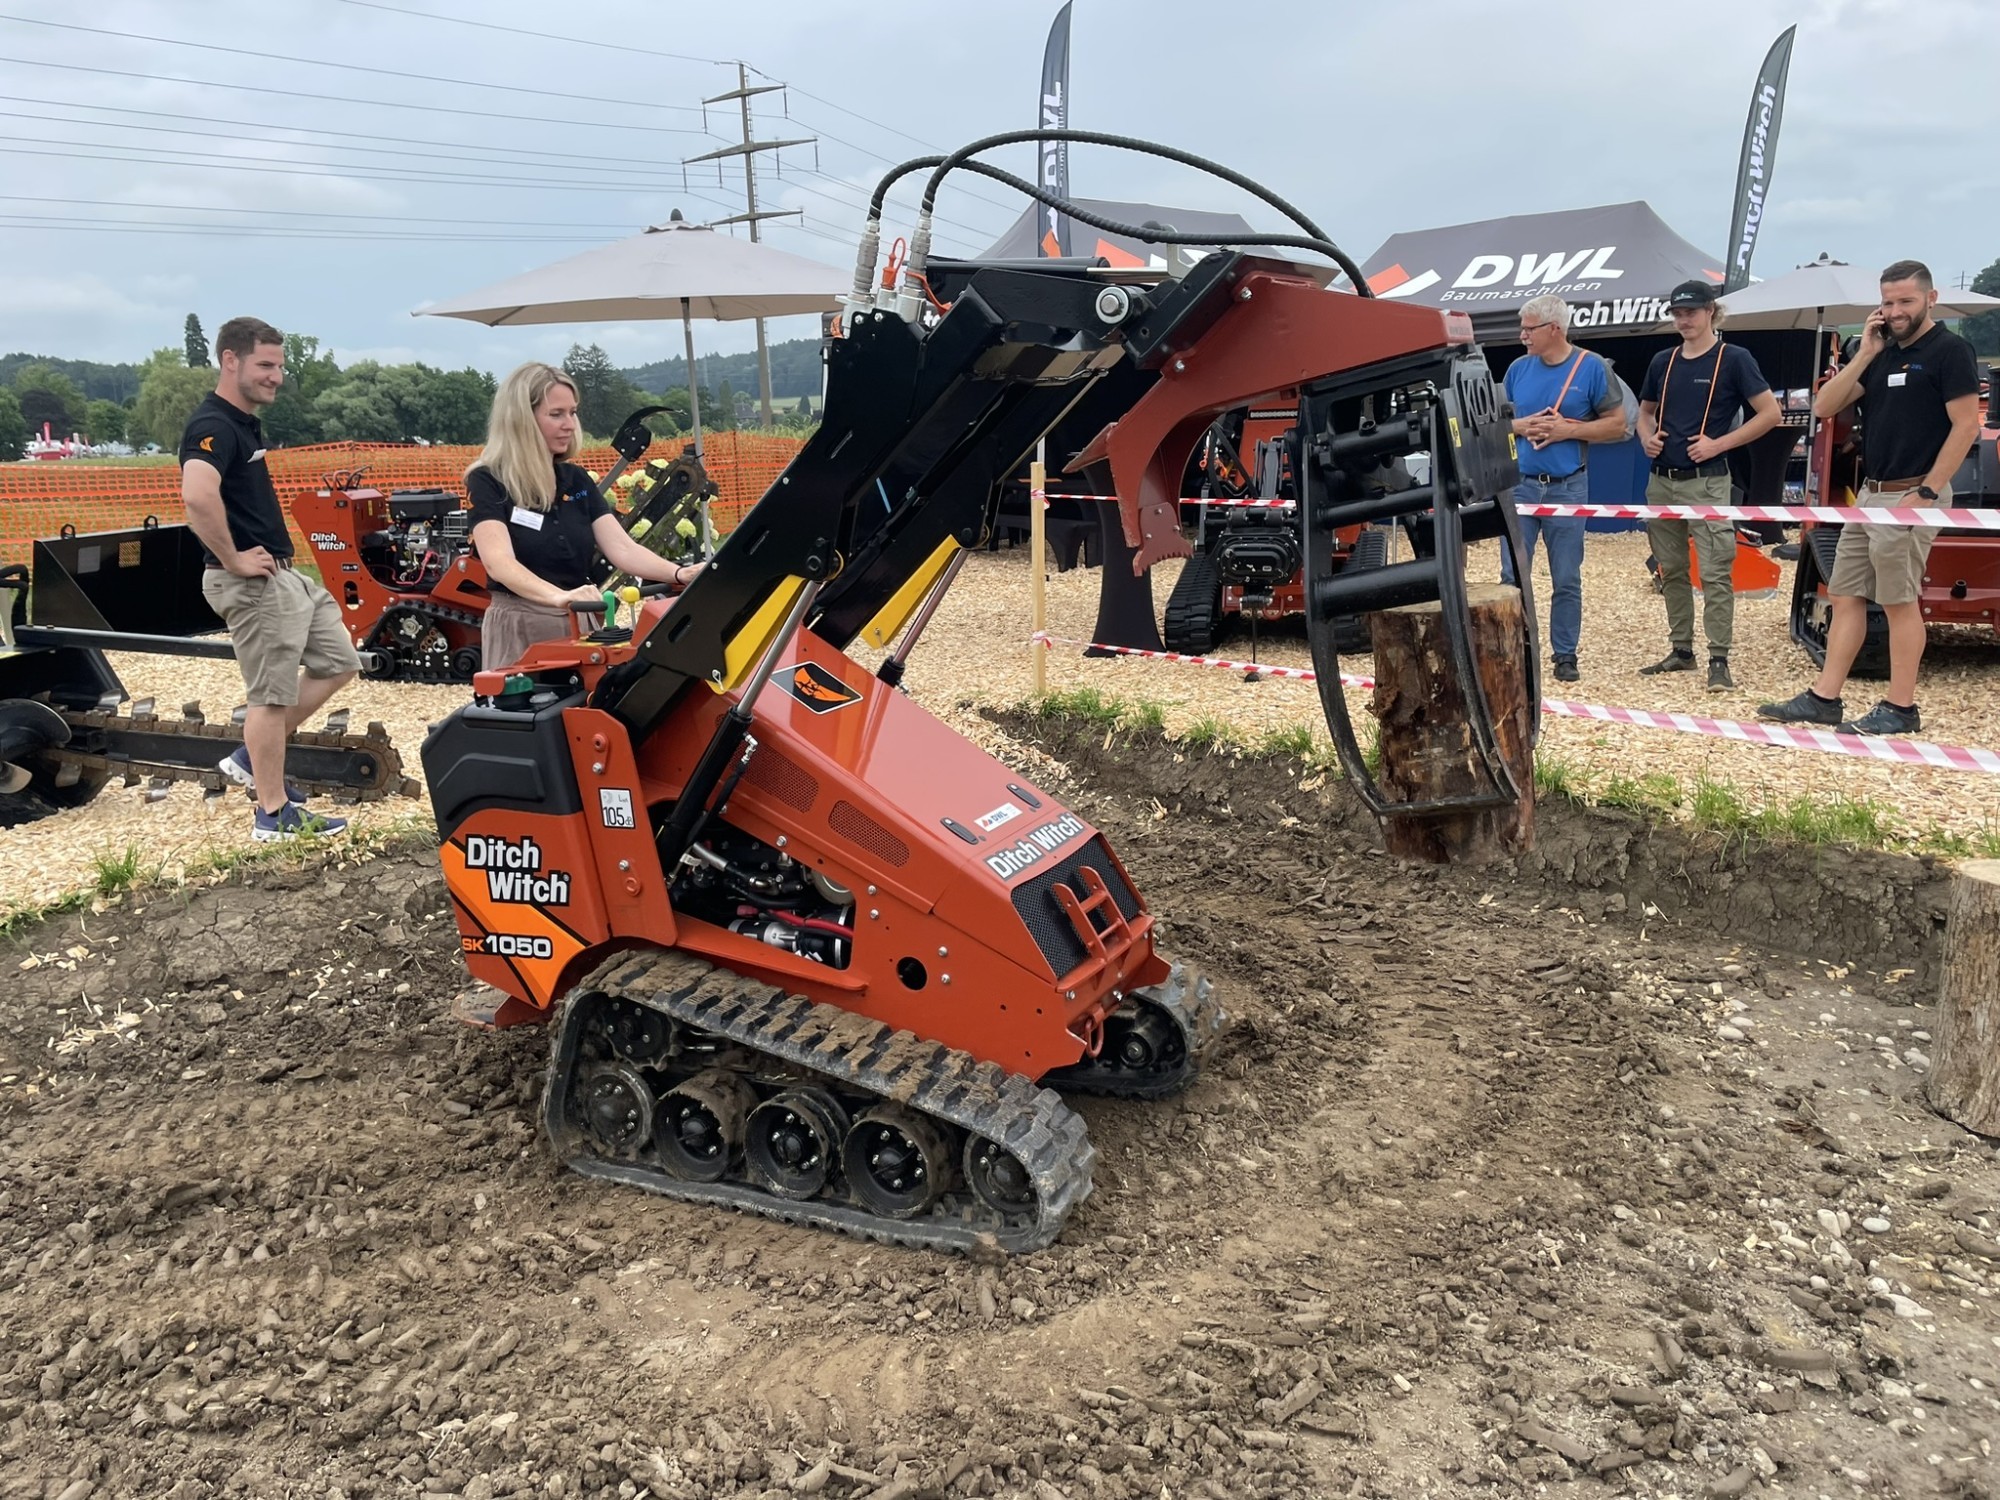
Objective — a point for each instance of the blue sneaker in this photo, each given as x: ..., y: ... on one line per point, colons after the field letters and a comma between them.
x: 290, y: 821
x: 236, y: 766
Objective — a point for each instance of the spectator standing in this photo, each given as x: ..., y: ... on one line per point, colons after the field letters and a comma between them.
x: 1688, y: 412
x: 291, y: 644
x: 1918, y: 385
x: 1564, y: 399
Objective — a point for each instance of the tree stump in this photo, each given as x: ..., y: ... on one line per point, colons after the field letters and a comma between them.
x: 1427, y: 750
x: 1964, y: 1081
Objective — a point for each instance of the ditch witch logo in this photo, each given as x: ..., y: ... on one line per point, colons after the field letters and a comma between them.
x: 1034, y: 846
x: 817, y: 688
x: 514, y: 871
x: 1755, y: 178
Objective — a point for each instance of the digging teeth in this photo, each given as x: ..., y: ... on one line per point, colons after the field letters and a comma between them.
x: 192, y: 712
x: 142, y: 708
x: 336, y: 723
x: 239, y: 714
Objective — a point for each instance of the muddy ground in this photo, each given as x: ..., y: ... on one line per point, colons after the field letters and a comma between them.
x: 1485, y: 1191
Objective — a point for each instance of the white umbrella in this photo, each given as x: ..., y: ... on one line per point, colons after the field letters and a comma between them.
x: 1830, y: 291
x: 672, y: 270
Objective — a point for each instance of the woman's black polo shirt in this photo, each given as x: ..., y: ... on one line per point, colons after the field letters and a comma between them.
x: 561, y: 551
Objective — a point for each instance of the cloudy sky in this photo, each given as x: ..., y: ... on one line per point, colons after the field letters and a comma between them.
x: 329, y: 165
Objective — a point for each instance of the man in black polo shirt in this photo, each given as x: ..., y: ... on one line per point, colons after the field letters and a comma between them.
x: 1918, y: 385
x: 290, y: 643
x: 1688, y: 423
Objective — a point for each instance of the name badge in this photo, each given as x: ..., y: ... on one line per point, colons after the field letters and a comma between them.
x: 1899, y: 378
x: 532, y: 519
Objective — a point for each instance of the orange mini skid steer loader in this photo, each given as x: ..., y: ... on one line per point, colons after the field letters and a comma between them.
x: 809, y: 952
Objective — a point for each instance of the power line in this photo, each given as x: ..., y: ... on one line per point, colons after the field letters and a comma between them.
x: 163, y: 114
x: 61, y: 224
x: 425, y: 153
x: 316, y: 62
x: 295, y: 213
x: 540, y: 36
x: 350, y: 101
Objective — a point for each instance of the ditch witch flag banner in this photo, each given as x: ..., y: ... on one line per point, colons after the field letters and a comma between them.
x: 1760, y: 159
x: 1054, y: 155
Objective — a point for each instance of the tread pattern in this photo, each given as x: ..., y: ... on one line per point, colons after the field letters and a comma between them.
x: 850, y: 1053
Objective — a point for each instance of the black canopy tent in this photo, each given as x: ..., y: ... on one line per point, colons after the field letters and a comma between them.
x: 1614, y: 265
x: 1020, y: 240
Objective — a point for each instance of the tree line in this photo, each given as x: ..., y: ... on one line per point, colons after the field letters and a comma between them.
x: 322, y: 401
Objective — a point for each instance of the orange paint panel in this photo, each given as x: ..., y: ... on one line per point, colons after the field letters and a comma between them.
x: 524, y: 889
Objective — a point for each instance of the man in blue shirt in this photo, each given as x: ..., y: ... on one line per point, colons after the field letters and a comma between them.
x: 1563, y: 398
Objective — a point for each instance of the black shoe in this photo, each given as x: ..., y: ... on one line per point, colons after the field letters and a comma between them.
x: 1719, y: 680
x: 1807, y: 708
x: 1566, y: 669
x: 1675, y: 660
x: 1885, y: 718
x: 1786, y: 552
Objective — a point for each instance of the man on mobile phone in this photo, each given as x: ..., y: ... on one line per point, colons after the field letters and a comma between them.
x: 1918, y: 385
x: 1687, y: 424
x: 1565, y: 398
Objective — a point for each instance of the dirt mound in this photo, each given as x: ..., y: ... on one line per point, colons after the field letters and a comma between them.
x: 1479, y: 1191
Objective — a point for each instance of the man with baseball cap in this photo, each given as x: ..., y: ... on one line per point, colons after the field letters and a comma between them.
x: 1918, y: 385
x: 1688, y: 422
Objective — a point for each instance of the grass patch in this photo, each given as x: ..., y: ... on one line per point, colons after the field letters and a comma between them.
x: 117, y: 872
x: 1558, y: 777
x: 1654, y: 792
x: 129, y: 873
x: 1206, y: 733
x: 1085, y: 704
x: 1146, y: 716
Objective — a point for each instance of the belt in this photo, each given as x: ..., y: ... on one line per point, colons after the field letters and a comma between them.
x: 1708, y: 470
x: 1894, y: 486
x: 283, y: 562
x: 1549, y: 478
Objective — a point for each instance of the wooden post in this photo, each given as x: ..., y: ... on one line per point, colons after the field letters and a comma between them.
x: 1038, y: 584
x: 1964, y: 1081
x: 1426, y: 749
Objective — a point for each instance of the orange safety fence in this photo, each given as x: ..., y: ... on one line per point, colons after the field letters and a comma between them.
x: 39, y: 499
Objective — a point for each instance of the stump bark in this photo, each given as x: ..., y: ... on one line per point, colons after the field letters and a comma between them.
x: 1427, y: 750
x: 1964, y: 1081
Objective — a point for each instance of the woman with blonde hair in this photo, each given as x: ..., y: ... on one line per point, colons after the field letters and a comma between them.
x: 538, y: 522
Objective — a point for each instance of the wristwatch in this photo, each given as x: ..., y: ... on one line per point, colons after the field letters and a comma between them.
x: 1925, y: 492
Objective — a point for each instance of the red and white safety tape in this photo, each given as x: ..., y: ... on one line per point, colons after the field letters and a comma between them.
x: 1857, y: 746
x: 1871, y: 515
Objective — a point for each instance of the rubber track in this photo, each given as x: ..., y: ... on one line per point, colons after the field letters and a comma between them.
x: 218, y: 739
x: 407, y: 671
x: 1189, y: 1000
x: 1193, y: 622
x: 855, y: 1054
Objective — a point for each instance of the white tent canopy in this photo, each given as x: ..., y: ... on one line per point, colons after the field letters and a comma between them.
x: 673, y: 270
x: 1830, y: 292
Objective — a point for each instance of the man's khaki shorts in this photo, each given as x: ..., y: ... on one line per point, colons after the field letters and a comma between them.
x: 279, y: 624
x: 1885, y: 564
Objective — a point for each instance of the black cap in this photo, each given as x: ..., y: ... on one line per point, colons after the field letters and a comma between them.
x: 1692, y: 294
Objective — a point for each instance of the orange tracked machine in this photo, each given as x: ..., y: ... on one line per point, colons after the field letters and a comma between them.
x: 808, y: 951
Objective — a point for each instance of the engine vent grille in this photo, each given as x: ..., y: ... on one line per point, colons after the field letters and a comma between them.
x: 854, y: 825
x: 1042, y: 914
x: 776, y: 776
